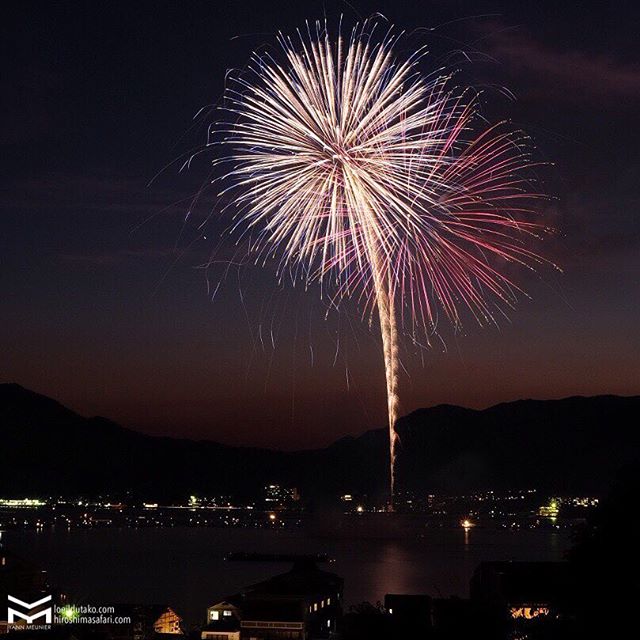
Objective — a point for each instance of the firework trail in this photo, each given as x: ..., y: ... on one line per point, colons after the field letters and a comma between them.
x: 354, y: 170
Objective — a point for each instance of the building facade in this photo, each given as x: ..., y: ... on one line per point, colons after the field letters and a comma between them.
x: 304, y: 603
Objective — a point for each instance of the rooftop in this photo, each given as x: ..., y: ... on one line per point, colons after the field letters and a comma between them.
x: 304, y: 579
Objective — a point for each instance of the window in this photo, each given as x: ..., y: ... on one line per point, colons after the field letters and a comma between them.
x: 226, y: 612
x: 215, y: 615
x: 328, y: 601
x: 315, y: 606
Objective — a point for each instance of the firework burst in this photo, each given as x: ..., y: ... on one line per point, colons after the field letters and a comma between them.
x: 353, y: 169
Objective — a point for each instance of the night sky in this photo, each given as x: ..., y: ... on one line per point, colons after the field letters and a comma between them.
x: 105, y: 307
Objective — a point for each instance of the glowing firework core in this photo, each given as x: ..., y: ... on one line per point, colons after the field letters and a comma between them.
x: 362, y: 174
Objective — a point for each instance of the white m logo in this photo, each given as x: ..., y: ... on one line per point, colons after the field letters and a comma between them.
x: 29, y: 606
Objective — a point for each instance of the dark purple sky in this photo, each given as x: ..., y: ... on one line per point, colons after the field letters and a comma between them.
x: 102, y: 312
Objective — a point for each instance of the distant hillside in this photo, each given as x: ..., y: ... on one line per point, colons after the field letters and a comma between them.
x: 572, y: 444
x: 576, y: 444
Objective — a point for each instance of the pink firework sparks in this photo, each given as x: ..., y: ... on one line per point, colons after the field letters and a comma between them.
x: 355, y: 170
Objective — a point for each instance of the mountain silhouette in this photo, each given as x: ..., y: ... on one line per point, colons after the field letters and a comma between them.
x: 575, y: 445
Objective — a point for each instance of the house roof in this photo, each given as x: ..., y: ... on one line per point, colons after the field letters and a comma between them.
x: 519, y: 582
x: 234, y: 601
x: 304, y: 579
